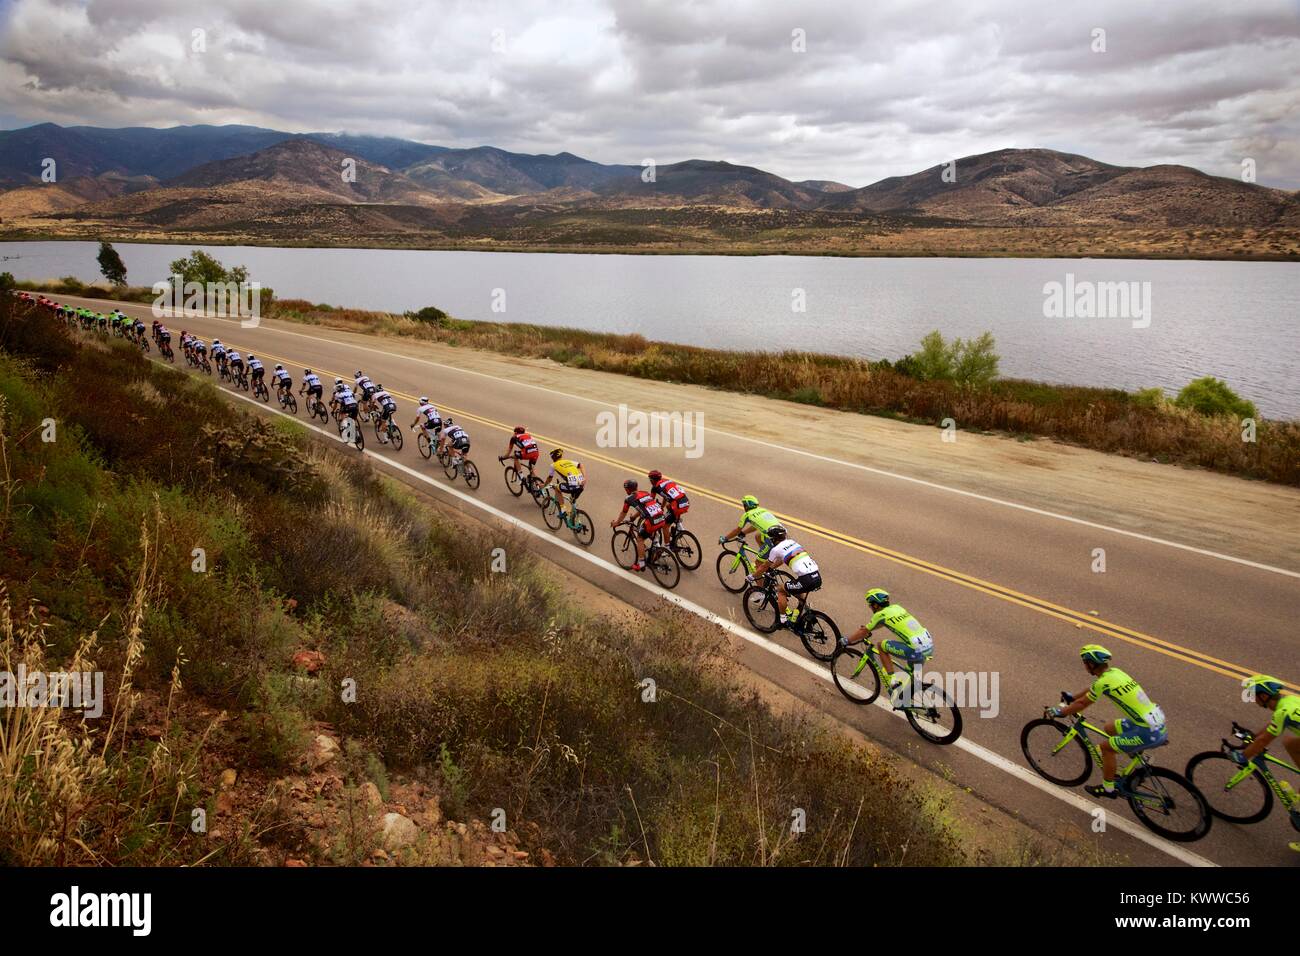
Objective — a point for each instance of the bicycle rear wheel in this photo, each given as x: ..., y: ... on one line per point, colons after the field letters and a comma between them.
x: 1248, y: 801
x: 761, y: 610
x: 583, y: 530
x: 819, y: 634
x: 1064, y: 762
x: 731, y: 571
x: 935, y: 717
x: 687, y: 549
x: 855, y: 678
x: 1168, y: 804
x: 470, y: 471
x: 664, y: 566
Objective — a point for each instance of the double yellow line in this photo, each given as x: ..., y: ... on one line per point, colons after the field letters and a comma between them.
x: 1078, y: 618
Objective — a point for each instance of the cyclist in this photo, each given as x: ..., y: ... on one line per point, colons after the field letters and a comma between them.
x: 219, y: 353
x: 236, y: 363
x: 283, y: 383
x: 1285, y: 724
x: 164, y: 338
x: 346, y: 401
x: 427, y: 419
x: 908, y: 640
x: 752, y: 518
x: 199, y: 348
x: 522, y: 447
x: 255, y: 368
x: 569, y: 478
x: 311, y: 385
x: 1141, y: 728
x: 363, y: 387
x: 670, y: 495
x: 454, y: 438
x: 650, y: 513
x: 807, y: 577
x: 139, y: 331
x: 386, y: 407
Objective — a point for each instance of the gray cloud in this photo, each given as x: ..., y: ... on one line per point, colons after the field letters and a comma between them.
x: 883, y: 89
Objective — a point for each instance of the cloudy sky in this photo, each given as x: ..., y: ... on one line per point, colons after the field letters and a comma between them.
x: 879, y: 88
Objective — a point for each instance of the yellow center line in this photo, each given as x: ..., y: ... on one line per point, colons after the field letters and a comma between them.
x: 1042, y: 606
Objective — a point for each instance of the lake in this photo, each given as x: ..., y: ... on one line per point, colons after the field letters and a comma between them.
x: 1234, y: 320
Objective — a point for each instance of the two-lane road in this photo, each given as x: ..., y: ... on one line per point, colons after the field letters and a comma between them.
x: 1009, y: 593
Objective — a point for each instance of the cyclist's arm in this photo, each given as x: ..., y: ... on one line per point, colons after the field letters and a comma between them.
x: 1259, y: 744
x: 1081, y: 702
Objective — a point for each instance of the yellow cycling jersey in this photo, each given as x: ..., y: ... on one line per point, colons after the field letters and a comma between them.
x: 568, y: 470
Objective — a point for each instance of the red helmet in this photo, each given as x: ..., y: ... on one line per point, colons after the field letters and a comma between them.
x: 629, y: 485
x: 655, y: 475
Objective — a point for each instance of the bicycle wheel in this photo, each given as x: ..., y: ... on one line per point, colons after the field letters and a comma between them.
x: 624, y: 549
x: 935, y: 717
x: 583, y: 530
x: 450, y: 466
x: 1248, y: 801
x: 732, y: 569
x: 380, y: 428
x: 444, y: 457
x: 470, y: 471
x: 855, y: 678
x: 396, y: 437
x: 1168, y: 805
x: 537, y: 489
x: 551, y: 515
x: 761, y: 609
x: 819, y: 634
x: 514, y: 484
x: 291, y: 403
x: 1052, y: 756
x: 664, y: 566
x: 687, y: 549
x: 422, y: 442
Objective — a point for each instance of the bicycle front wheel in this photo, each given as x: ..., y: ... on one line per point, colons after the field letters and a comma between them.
x: 513, y: 484
x: 470, y: 471
x: 732, y: 571
x: 819, y: 634
x: 687, y: 549
x: 934, y: 716
x: 425, y: 446
x: 624, y: 549
x: 1053, y: 755
x: 855, y: 678
x: 1168, y: 805
x: 551, y: 515
x: 396, y: 437
x: 761, y: 610
x: 1247, y: 801
x: 450, y: 466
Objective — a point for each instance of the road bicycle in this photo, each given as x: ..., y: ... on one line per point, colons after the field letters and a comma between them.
x: 287, y: 399
x: 223, y: 372
x: 1242, y: 794
x: 260, y: 390
x: 165, y: 350
x: 860, y: 675
x: 1165, y: 801
x: 386, y: 428
x: 350, y: 430
x: 819, y: 634
x: 241, y: 379
x: 574, y: 518
x: 736, y: 564
x: 516, y: 483
x: 317, y: 409
x: 453, y: 465
x: 659, y: 557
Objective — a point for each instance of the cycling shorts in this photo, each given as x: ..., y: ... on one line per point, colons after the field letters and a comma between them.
x: 913, y: 651
x: 1131, y: 738
x: 804, y: 583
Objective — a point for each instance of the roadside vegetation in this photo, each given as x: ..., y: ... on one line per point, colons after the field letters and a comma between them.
x: 492, y: 691
x: 1205, y: 425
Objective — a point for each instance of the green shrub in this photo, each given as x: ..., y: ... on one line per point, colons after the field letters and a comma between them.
x: 1212, y: 396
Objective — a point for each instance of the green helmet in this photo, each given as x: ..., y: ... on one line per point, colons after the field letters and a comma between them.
x: 1263, y: 684
x: 1094, y: 654
x: 749, y: 502
x: 878, y: 597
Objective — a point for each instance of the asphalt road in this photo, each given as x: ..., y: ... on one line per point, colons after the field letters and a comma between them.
x: 1004, y: 592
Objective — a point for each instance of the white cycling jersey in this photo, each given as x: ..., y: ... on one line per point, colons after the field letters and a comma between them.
x: 345, y: 396
x: 454, y: 434
x: 792, y: 554
x: 234, y: 356
x: 311, y: 381
x: 383, y: 399
x: 281, y: 375
x: 363, y: 382
x: 254, y: 364
x: 431, y: 416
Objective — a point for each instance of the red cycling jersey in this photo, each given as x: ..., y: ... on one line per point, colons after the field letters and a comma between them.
x: 652, y: 516
x: 677, y: 500
x: 525, y: 446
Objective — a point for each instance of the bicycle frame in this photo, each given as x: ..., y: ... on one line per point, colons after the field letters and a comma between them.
x: 1288, y: 801
x: 872, y: 655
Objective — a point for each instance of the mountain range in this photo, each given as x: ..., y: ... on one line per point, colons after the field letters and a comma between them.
x: 242, y: 179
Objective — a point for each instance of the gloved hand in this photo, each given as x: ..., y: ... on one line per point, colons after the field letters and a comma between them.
x: 722, y: 539
x: 1053, y: 711
x: 1238, y: 757
x: 749, y: 578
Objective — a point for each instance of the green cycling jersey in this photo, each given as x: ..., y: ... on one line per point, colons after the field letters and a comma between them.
x: 758, y: 519
x: 1286, y: 716
x: 897, y: 619
x: 1128, y: 695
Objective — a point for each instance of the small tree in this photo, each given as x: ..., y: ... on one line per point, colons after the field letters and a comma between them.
x: 1212, y: 396
x: 934, y: 362
x: 198, y: 266
x: 111, y: 265
x: 969, y: 363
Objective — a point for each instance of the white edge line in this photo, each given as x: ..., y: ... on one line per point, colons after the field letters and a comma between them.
x: 976, y: 750
x: 1205, y: 552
